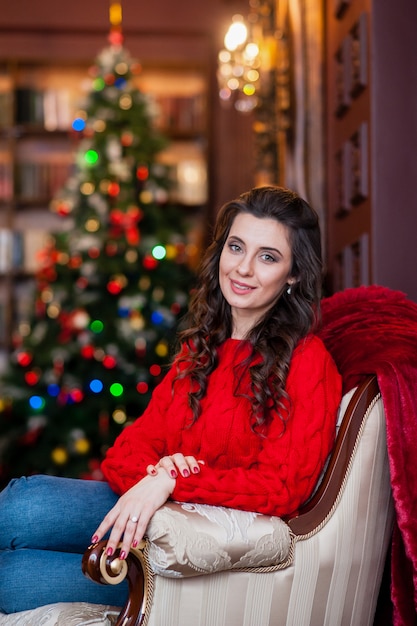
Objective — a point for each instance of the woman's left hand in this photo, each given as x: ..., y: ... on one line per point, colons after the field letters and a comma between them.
x: 175, y: 464
x: 131, y: 514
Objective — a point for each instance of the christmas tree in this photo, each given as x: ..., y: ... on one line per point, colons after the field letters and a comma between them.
x: 110, y: 292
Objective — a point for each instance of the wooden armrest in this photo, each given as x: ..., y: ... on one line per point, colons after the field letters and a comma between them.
x: 316, y: 510
x: 106, y: 570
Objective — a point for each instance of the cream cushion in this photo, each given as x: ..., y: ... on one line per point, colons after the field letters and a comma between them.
x: 64, y: 614
x: 191, y: 539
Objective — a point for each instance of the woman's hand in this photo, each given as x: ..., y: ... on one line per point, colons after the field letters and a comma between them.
x: 176, y: 464
x: 131, y: 514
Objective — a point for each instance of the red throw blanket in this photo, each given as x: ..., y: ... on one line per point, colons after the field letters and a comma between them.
x: 373, y: 330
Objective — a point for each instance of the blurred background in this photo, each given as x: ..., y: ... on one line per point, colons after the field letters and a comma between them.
x: 124, y: 126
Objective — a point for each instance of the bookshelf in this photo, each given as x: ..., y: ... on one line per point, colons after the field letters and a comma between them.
x: 38, y: 102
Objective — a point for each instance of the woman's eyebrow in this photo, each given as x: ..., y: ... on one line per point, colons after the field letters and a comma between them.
x: 264, y: 248
x: 271, y: 248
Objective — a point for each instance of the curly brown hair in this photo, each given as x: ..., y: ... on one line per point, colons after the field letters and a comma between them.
x: 274, y: 337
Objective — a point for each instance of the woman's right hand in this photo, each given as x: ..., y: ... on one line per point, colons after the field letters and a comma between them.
x: 128, y: 519
x: 175, y: 464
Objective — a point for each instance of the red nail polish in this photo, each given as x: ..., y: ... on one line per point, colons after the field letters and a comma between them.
x: 122, y: 555
x: 94, y: 539
x: 135, y: 543
x: 109, y: 551
x: 186, y: 473
x: 196, y: 470
x: 173, y: 473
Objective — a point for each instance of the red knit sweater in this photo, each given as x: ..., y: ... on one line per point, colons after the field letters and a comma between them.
x: 271, y: 474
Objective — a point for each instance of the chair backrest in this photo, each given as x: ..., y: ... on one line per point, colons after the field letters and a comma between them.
x: 319, y: 507
x: 343, y: 533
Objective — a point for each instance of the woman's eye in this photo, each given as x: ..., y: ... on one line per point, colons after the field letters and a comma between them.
x: 234, y: 247
x: 269, y: 258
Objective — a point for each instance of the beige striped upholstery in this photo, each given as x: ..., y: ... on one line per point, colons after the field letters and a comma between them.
x: 336, y: 572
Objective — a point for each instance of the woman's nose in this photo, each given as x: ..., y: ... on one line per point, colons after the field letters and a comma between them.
x: 245, y: 267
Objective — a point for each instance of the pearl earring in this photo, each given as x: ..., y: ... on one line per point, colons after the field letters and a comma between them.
x: 289, y: 290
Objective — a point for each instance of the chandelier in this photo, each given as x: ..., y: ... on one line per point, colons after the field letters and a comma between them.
x: 239, y: 65
x: 247, y: 63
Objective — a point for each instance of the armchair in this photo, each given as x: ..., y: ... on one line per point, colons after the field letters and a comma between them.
x: 323, y: 566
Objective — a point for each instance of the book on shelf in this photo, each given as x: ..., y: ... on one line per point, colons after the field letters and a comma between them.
x: 11, y: 250
x: 49, y: 108
x: 19, y: 250
x: 24, y: 295
x: 6, y: 109
x: 33, y: 241
x: 181, y: 113
x: 36, y: 180
x: 3, y: 317
x: 29, y: 106
x: 5, y: 250
x: 6, y: 179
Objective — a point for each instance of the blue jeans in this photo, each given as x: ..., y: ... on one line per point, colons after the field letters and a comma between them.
x: 46, y: 523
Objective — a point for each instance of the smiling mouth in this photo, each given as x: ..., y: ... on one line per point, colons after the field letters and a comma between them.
x: 240, y: 286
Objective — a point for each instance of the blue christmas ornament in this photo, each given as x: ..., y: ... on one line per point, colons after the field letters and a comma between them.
x: 96, y: 385
x: 157, y: 318
x: 36, y: 402
x: 53, y: 390
x: 78, y: 124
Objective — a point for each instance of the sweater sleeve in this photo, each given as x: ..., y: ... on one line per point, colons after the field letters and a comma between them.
x: 289, y: 463
x: 141, y: 443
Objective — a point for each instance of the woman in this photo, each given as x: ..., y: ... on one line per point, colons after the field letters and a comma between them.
x: 244, y: 418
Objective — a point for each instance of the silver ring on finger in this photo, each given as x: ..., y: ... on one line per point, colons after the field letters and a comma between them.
x: 134, y: 519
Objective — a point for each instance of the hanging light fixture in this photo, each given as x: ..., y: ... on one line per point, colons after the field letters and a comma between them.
x: 239, y: 66
x: 115, y: 17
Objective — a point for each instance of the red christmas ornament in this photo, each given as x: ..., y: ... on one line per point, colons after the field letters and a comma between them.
x: 126, y: 221
x: 87, y: 351
x: 135, y: 213
x: 116, y: 217
x: 31, y: 378
x: 149, y: 262
x: 114, y: 287
x: 109, y: 362
x: 75, y: 262
x: 113, y: 189
x: 40, y: 308
x: 82, y: 282
x: 76, y: 395
x: 111, y: 249
x: 142, y: 387
x: 175, y: 308
x: 155, y: 370
x: 103, y: 423
x: 126, y: 139
x: 115, y: 38
x: 132, y: 236
x: 47, y: 274
x: 24, y: 358
x: 109, y: 79
x: 93, y: 253
x: 62, y: 398
x: 142, y: 172
x: 58, y: 366
x: 63, y: 209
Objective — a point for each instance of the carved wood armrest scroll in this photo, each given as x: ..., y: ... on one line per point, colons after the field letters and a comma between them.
x: 106, y: 570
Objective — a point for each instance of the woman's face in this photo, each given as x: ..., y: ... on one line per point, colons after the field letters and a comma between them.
x: 254, y: 268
